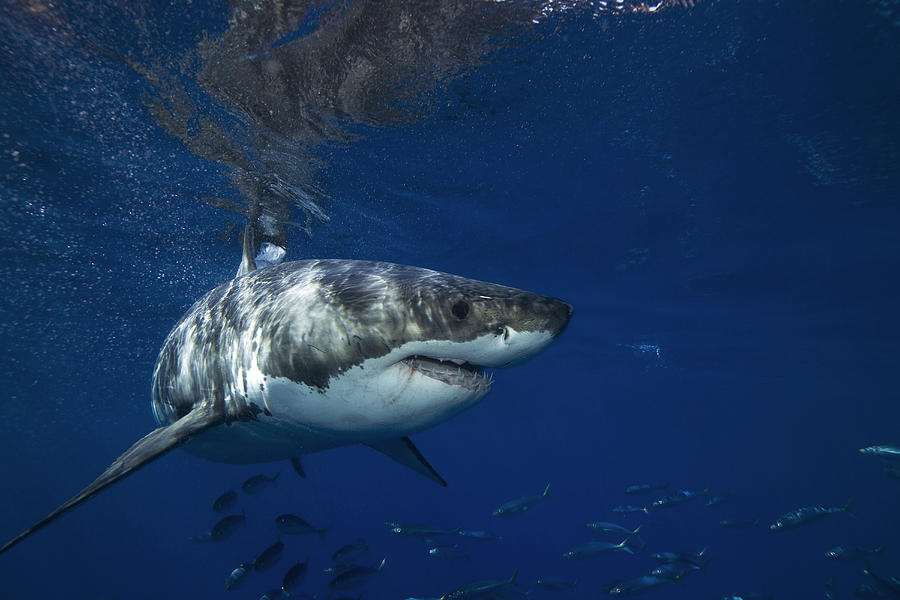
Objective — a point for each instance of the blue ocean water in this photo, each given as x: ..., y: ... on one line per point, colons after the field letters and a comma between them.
x: 714, y: 188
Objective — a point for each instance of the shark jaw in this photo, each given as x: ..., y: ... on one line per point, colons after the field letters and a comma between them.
x: 453, y: 372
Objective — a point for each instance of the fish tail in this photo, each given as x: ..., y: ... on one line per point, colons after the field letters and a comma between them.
x: 322, y: 533
x: 546, y: 491
x: 848, y: 508
x: 383, y: 560
x: 516, y: 574
x: 274, y: 477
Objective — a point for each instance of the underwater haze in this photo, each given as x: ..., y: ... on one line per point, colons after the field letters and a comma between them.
x: 712, y: 185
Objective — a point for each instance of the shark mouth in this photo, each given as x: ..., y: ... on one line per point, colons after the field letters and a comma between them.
x: 450, y: 371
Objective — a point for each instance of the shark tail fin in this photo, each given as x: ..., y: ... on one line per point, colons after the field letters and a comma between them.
x: 147, y: 449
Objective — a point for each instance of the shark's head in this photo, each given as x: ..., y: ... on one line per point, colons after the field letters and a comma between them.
x: 351, y: 350
x: 439, y: 332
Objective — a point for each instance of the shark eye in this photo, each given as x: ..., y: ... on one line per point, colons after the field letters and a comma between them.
x: 460, y: 310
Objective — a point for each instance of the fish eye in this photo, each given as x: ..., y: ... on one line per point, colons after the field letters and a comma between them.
x: 460, y: 309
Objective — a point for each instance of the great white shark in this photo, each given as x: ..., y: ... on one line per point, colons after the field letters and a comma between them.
x: 309, y: 355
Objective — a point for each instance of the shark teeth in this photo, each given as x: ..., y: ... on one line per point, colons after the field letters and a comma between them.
x: 450, y: 371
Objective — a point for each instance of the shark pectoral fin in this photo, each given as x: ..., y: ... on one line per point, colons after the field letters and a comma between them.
x: 403, y: 451
x: 148, y: 448
x: 298, y: 467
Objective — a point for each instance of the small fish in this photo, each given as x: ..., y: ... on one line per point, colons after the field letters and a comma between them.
x: 739, y: 524
x: 482, y: 536
x: 891, y: 585
x: 697, y: 560
x: 596, y: 548
x: 716, y: 500
x: 864, y: 590
x: 481, y: 589
x: 829, y: 588
x: 643, y: 488
x: 298, y: 467
x: 552, y: 584
x: 673, y: 571
x: 635, y: 586
x: 237, y: 578
x: 851, y: 553
x: 629, y: 509
x: 422, y: 531
x: 453, y: 552
x: 268, y: 557
x: 520, y: 505
x: 350, y: 552
x: 258, y: 483
x: 225, y: 501
x: 676, y: 499
x: 604, y: 529
x: 336, y: 570
x: 226, y: 527
x: 294, y: 525
x: 807, y: 514
x: 355, y: 576
x: 889, y: 452
x: 294, y: 576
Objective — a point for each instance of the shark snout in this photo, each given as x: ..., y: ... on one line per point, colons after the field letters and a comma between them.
x: 561, y: 315
x: 550, y: 315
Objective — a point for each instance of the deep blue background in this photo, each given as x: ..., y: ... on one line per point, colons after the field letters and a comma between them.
x: 719, y: 183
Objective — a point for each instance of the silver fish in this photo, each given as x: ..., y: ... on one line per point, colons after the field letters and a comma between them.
x: 807, y: 514
x: 520, y: 505
x: 237, y: 577
x: 481, y: 589
x: 258, y: 483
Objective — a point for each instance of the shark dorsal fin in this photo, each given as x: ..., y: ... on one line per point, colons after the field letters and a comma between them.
x: 248, y: 264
